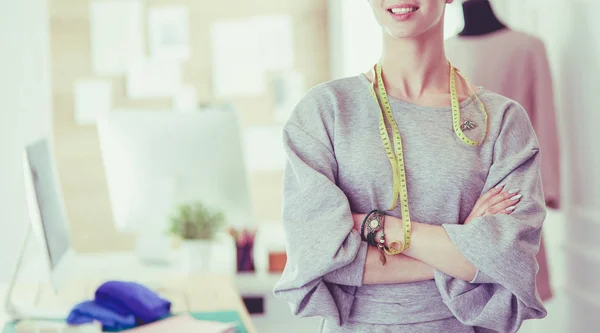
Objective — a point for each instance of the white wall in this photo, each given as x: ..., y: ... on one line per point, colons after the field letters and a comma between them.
x: 25, y: 112
x: 355, y: 37
x: 572, y: 37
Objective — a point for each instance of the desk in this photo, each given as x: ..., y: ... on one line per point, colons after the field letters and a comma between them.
x: 198, y: 293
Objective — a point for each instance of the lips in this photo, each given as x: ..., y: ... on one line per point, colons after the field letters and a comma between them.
x: 402, y: 12
x: 402, y: 9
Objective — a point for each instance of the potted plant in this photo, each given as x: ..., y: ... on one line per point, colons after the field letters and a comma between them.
x: 196, y: 225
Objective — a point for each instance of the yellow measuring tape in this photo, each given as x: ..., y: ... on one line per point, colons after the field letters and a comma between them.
x: 456, y: 109
x: 396, y: 155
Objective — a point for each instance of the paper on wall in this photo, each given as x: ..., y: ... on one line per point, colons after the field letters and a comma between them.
x: 116, y: 35
x: 289, y: 88
x: 92, y: 99
x: 276, y: 41
x: 153, y: 78
x: 237, y: 68
x: 264, y: 148
x: 168, y: 32
x: 186, y: 99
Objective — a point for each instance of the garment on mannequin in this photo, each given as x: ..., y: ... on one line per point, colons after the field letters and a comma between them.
x: 515, y: 65
x: 480, y: 18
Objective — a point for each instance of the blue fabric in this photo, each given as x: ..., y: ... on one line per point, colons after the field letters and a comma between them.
x: 119, y: 306
x: 132, y: 298
x: 90, y: 311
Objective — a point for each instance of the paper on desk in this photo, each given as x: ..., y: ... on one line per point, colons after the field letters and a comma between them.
x: 184, y: 324
x: 46, y: 326
x: 92, y: 99
x: 264, y: 148
x: 168, y: 32
x: 238, y: 70
x: 276, y: 41
x: 116, y: 35
x: 153, y: 78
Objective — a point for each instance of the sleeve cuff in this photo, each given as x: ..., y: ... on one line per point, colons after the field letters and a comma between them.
x: 480, y: 277
x: 351, y: 274
x: 453, y: 232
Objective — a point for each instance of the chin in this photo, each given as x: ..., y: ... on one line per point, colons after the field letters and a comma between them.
x: 414, y: 27
x: 404, y: 32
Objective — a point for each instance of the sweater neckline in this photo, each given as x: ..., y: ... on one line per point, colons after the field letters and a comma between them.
x: 402, y: 103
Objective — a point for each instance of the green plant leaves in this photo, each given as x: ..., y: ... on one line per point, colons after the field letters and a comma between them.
x: 196, y: 221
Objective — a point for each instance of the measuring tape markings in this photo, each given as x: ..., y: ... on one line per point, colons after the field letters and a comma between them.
x: 396, y: 155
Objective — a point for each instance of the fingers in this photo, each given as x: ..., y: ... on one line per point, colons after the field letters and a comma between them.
x: 506, y: 206
x: 491, y: 193
x: 477, y: 209
x: 495, y: 201
x: 498, y: 198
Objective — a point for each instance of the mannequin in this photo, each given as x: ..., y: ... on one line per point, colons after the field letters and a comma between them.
x: 515, y: 65
x: 480, y: 18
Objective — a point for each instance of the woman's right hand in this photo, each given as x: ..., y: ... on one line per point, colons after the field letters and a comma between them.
x: 495, y: 201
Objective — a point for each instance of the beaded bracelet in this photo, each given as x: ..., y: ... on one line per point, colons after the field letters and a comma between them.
x: 374, y: 222
x: 381, y: 246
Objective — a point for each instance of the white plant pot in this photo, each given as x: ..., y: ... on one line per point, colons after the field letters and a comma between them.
x: 196, y: 255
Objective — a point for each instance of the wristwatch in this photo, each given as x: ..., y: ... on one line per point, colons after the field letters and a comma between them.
x: 374, y: 222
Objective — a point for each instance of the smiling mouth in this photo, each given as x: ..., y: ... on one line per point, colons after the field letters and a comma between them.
x: 402, y: 10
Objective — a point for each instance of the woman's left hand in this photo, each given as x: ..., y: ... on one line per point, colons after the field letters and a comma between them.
x: 358, y: 220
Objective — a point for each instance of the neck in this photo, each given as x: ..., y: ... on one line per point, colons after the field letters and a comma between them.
x: 480, y: 18
x: 413, y: 67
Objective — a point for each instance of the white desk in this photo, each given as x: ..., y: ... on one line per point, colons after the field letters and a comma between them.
x: 197, y: 293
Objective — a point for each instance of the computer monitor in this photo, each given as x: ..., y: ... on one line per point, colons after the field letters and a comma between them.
x: 168, y: 158
x: 47, y: 210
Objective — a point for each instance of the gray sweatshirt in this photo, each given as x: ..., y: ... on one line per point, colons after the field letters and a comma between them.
x: 337, y: 166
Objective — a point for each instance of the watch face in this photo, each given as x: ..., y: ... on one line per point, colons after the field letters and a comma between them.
x: 374, y: 224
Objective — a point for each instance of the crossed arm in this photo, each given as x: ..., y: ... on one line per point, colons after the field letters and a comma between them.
x: 431, y: 248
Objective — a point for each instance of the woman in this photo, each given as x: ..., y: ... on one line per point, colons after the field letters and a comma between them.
x: 451, y: 259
